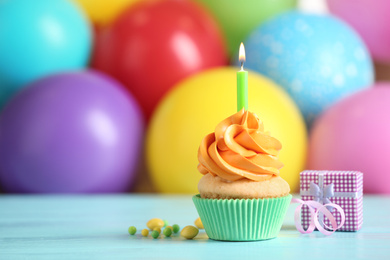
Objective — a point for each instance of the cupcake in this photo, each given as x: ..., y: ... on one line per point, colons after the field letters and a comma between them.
x: 241, y: 195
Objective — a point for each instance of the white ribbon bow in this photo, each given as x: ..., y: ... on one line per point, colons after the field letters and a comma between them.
x: 321, y: 195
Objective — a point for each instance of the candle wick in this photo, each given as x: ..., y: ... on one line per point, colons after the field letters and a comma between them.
x: 242, y: 65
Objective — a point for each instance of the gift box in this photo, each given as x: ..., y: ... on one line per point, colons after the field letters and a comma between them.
x: 344, y: 188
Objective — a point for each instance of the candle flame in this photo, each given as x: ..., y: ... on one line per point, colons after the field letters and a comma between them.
x: 241, y: 55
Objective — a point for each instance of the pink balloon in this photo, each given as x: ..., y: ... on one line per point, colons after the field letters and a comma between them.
x: 371, y: 19
x: 354, y: 134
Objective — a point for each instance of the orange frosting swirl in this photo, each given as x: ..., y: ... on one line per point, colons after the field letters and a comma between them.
x: 239, y: 148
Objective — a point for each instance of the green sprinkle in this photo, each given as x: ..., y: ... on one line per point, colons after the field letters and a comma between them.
x: 170, y: 227
x: 175, y: 228
x: 166, y: 223
x: 155, y: 234
x: 167, y: 232
x: 132, y: 230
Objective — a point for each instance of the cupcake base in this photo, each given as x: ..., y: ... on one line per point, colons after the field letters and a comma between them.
x: 242, y: 219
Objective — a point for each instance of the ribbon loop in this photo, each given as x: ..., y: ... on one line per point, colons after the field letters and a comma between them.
x: 315, y: 209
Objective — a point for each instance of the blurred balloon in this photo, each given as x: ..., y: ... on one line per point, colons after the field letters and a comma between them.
x: 239, y: 18
x: 354, y: 134
x: 103, y: 12
x: 316, y: 58
x: 195, y: 107
x: 71, y: 132
x: 155, y: 44
x: 38, y: 38
x: 371, y: 19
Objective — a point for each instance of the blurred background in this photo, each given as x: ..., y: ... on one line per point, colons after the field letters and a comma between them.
x: 115, y: 96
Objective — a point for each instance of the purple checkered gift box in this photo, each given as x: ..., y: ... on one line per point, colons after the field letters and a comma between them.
x: 344, y: 188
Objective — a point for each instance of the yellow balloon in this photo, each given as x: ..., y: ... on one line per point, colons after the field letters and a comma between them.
x: 103, y: 12
x: 194, y: 108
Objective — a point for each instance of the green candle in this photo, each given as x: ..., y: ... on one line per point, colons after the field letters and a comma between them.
x: 242, y: 82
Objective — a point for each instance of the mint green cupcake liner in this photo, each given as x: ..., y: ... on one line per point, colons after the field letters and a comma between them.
x: 242, y: 219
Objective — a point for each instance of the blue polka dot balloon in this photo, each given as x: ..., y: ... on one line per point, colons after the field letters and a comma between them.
x: 318, y: 59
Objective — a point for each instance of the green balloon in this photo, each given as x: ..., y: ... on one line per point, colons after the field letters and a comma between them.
x: 238, y: 18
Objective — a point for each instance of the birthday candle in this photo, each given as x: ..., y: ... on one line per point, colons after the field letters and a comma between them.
x: 242, y: 82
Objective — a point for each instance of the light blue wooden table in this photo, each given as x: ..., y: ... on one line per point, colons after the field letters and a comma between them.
x: 95, y: 227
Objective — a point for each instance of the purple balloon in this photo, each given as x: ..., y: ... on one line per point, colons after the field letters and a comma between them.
x: 354, y: 134
x: 73, y: 132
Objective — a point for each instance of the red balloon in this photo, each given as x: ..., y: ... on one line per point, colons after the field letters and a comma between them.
x: 155, y: 44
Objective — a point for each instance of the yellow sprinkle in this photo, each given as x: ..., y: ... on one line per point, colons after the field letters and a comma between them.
x: 189, y: 232
x: 155, y: 223
x: 145, y: 232
x: 198, y: 223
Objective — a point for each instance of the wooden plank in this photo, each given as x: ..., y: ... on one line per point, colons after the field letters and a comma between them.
x: 95, y: 226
